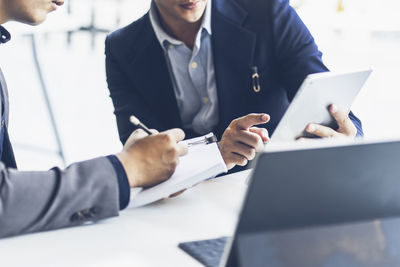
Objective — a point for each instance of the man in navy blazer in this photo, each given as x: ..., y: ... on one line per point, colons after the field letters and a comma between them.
x: 147, y: 75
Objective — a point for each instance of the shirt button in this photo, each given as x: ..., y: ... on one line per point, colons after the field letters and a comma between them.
x: 205, y: 100
x: 2, y: 123
x: 193, y: 65
x: 170, y: 46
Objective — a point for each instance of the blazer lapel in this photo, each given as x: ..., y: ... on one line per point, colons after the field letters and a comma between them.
x: 151, y: 77
x: 7, y: 156
x: 4, y: 93
x: 233, y: 52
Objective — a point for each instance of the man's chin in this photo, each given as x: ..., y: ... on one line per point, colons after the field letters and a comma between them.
x: 33, y: 21
x: 192, y: 19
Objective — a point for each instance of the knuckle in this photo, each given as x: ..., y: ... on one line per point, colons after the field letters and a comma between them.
x: 229, y: 133
x: 252, y: 154
x: 255, y: 140
x: 172, y: 153
x: 235, y: 122
x: 173, y: 165
x: 242, y: 162
x: 247, y: 152
x: 169, y: 172
x: 170, y: 169
x: 166, y: 137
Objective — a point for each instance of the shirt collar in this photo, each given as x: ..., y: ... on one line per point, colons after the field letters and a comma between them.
x: 162, y: 36
x: 4, y: 35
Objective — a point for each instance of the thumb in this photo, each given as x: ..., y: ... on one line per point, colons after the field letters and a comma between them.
x: 154, y: 131
x: 176, y: 134
x: 249, y: 120
x: 138, y: 134
x: 346, y: 126
x: 135, y: 136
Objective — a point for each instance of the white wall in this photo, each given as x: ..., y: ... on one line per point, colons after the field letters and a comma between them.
x: 366, y: 34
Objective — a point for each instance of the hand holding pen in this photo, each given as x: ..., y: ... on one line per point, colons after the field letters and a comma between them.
x: 174, y: 153
x: 149, y: 159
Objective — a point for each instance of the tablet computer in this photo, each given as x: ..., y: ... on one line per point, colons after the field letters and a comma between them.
x: 310, y: 104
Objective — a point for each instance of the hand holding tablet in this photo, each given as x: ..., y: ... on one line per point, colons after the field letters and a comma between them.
x: 311, y: 110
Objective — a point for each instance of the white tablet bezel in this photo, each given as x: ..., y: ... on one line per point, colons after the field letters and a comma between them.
x: 310, y: 104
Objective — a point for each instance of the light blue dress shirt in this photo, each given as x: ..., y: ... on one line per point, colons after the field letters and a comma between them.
x: 192, y: 74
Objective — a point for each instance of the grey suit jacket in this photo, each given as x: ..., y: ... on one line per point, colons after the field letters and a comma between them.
x: 45, y: 200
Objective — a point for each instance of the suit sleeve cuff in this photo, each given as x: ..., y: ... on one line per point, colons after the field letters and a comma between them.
x: 123, y: 184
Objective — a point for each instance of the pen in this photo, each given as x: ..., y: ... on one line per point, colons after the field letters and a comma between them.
x: 207, y: 140
x: 255, y: 79
x: 135, y: 121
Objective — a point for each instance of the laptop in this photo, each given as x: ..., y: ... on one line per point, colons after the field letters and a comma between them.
x: 332, y: 205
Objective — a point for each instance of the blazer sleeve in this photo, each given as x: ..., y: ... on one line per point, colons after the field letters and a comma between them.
x: 46, y: 200
x: 296, y: 50
x: 126, y: 99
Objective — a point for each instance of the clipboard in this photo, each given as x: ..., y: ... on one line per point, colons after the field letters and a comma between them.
x: 203, y: 161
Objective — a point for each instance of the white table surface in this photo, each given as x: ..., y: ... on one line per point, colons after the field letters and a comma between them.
x: 146, y: 236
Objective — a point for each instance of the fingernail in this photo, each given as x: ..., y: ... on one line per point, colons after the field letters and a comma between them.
x: 334, y: 108
x: 311, y: 128
x: 264, y: 117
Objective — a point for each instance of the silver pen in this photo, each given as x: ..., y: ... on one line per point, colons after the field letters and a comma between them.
x: 135, y: 121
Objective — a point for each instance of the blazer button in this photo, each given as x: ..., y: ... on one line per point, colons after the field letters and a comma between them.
x: 77, y: 216
x: 93, y: 212
x: 85, y: 214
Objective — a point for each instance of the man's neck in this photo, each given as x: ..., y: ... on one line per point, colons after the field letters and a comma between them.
x: 185, y: 32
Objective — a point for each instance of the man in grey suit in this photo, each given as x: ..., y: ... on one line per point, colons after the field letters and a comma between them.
x: 85, y: 191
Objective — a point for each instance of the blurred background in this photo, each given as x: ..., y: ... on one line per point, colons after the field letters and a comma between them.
x: 60, y: 111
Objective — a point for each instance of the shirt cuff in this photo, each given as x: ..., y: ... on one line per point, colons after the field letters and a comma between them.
x: 123, y: 184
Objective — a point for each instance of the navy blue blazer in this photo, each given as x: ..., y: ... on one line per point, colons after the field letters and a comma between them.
x: 245, y: 33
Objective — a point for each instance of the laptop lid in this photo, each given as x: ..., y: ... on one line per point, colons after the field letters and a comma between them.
x: 315, y: 187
